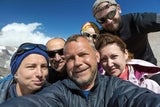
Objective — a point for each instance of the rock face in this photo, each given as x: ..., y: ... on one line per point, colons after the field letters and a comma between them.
x: 154, y: 39
x: 5, y: 55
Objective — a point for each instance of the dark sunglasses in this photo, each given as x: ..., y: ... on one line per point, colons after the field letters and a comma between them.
x: 94, y: 36
x: 52, y: 54
x: 26, y: 47
x: 110, y: 16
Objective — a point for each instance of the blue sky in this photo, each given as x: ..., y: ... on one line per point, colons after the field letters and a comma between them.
x: 62, y: 18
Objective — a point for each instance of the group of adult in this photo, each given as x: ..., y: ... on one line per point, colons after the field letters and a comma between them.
x: 88, y: 64
x: 33, y: 67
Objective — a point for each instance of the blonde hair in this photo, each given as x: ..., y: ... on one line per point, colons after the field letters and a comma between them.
x: 88, y: 25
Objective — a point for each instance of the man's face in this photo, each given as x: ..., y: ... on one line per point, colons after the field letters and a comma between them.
x: 109, y: 18
x: 81, y: 62
x: 55, y: 52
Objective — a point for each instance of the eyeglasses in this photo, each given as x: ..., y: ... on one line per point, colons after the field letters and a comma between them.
x: 110, y: 16
x: 26, y: 47
x: 94, y: 36
x: 52, y: 54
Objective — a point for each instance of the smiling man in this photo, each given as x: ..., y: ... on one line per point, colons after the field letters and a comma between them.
x: 56, y: 57
x: 132, y: 28
x: 81, y: 58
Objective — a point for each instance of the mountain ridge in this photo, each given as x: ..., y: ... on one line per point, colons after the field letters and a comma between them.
x: 6, y: 53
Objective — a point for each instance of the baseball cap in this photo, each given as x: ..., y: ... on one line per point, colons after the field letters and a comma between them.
x: 98, y: 2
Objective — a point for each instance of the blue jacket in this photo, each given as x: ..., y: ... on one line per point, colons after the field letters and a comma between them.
x: 107, y: 92
x: 5, y: 85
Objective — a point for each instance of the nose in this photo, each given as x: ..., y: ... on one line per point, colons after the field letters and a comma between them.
x: 39, y: 72
x: 57, y: 57
x: 108, y: 21
x: 77, y: 61
x: 110, y: 63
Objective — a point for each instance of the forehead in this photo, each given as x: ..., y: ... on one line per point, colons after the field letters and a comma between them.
x: 31, y: 57
x: 103, y: 4
x: 110, y: 48
x: 79, y: 45
x: 103, y: 7
x: 55, y: 44
x: 90, y: 30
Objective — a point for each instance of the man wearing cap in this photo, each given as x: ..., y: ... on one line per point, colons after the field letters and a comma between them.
x: 132, y: 28
x: 29, y: 70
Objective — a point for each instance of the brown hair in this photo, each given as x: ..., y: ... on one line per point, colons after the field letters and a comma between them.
x: 109, y: 38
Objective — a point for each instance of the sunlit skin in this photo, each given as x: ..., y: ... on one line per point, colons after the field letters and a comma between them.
x: 81, y: 62
x: 110, y: 24
x: 58, y: 61
x: 31, y: 74
x: 113, y: 59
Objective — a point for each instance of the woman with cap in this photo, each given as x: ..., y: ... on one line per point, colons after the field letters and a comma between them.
x: 29, y: 70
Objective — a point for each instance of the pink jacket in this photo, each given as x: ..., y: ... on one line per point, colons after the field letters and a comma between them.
x: 139, y: 73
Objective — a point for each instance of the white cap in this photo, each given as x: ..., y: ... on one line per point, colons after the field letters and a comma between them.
x: 98, y: 2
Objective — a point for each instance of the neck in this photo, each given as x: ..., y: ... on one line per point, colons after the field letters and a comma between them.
x: 87, y: 87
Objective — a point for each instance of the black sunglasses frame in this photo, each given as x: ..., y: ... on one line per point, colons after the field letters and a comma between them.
x: 52, y: 54
x: 110, y: 16
x: 94, y: 36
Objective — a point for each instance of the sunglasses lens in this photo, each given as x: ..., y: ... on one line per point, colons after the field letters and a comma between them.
x: 94, y: 36
x: 29, y: 46
x: 52, y: 54
x: 86, y: 34
x: 111, y: 14
x: 60, y: 52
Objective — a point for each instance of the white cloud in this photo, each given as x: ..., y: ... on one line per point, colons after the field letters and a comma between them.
x: 15, y: 34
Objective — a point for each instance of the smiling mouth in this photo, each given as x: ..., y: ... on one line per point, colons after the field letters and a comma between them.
x: 80, y: 72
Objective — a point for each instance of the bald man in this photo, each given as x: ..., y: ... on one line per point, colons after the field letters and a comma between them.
x: 56, y: 57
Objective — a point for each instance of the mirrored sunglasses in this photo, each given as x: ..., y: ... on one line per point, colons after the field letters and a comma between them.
x: 27, y: 47
x: 110, y: 16
x: 52, y: 54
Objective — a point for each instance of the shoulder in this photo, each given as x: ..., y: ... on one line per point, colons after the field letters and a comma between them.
x: 113, y: 82
x: 6, y: 80
x: 144, y: 65
x: 140, y: 62
x: 139, y: 14
x: 5, y: 83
